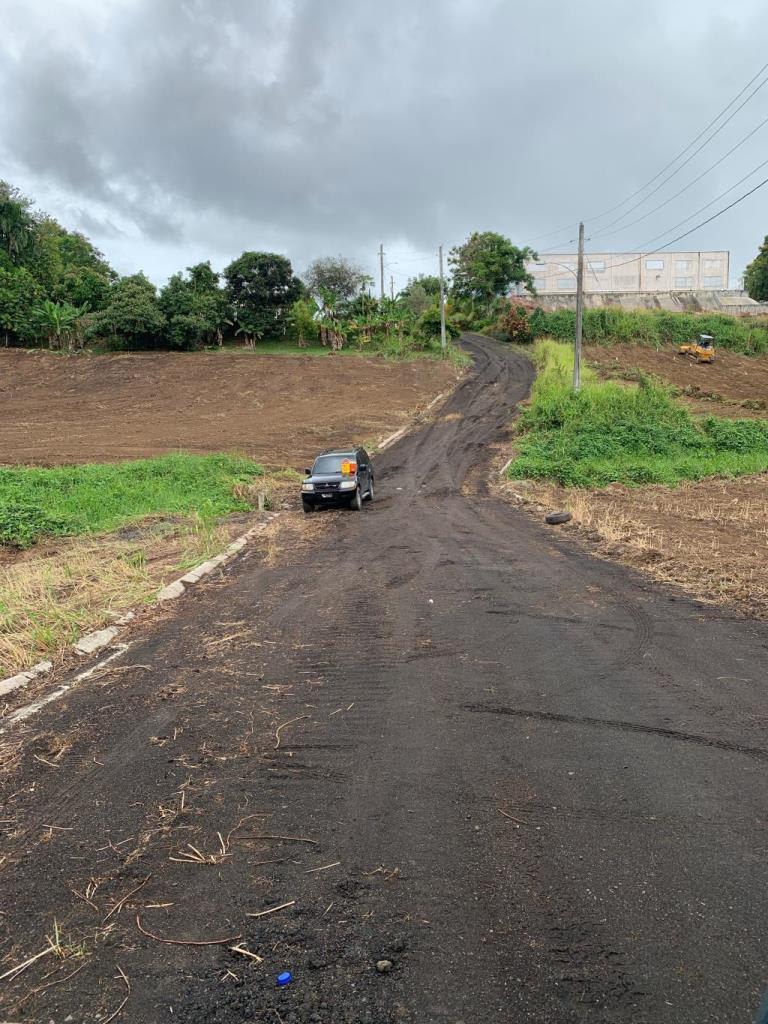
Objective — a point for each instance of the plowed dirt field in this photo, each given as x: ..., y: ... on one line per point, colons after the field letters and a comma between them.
x: 279, y: 410
x: 739, y: 383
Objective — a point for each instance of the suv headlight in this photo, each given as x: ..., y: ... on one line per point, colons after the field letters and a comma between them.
x: 347, y: 485
x: 307, y: 487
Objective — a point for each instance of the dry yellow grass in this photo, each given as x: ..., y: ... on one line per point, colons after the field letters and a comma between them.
x: 710, y: 537
x: 50, y: 596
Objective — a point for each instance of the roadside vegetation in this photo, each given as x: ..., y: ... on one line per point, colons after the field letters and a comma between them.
x: 523, y: 323
x: 54, y: 592
x: 89, y: 499
x: 610, y: 432
x: 81, y: 545
x: 57, y: 290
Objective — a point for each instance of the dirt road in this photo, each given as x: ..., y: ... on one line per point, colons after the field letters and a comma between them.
x: 533, y: 785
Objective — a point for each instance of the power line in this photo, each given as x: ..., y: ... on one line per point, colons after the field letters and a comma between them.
x: 669, y: 178
x: 705, y: 207
x: 549, y: 234
x: 685, y: 234
x: 685, y: 189
x: 558, y: 247
x: 629, y: 198
x: 693, y: 142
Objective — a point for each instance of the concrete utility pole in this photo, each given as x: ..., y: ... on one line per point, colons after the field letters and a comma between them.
x: 442, y: 301
x: 579, y: 312
x: 392, y: 288
x: 381, y: 267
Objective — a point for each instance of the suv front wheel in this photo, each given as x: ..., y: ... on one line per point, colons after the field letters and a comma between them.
x: 357, y: 501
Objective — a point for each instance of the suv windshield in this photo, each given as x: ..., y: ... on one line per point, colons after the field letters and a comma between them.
x: 328, y: 464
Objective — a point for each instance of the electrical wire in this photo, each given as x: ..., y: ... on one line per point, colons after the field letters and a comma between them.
x: 633, y: 195
x: 740, y: 143
x: 558, y: 247
x: 706, y: 206
x: 682, y: 152
x: 685, y: 234
x: 695, y: 181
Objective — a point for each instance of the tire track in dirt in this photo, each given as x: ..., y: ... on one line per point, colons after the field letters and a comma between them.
x: 564, y: 862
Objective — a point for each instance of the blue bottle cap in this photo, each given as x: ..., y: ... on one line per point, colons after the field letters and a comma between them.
x: 285, y: 978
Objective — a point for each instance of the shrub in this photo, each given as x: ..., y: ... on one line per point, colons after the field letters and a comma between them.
x: 515, y: 325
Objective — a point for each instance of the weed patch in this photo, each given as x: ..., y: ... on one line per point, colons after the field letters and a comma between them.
x: 636, y: 435
x: 611, y: 325
x: 71, y: 500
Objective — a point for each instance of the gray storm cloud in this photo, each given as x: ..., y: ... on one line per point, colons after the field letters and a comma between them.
x: 324, y: 126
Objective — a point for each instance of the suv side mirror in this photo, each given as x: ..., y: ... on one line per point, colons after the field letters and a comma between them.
x: 307, y: 472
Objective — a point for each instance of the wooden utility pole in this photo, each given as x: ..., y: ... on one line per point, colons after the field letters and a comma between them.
x: 579, y: 312
x: 381, y: 267
x: 442, y: 301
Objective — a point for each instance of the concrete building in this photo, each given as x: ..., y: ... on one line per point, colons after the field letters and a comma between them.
x: 632, y: 272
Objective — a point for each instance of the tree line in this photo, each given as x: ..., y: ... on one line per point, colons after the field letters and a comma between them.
x: 57, y: 289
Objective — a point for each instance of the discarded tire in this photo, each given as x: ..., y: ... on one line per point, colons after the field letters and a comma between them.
x: 556, y: 518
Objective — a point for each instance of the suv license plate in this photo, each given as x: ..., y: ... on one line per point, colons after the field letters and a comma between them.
x: 327, y: 494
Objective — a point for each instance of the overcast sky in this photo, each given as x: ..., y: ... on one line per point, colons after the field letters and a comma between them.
x: 172, y: 131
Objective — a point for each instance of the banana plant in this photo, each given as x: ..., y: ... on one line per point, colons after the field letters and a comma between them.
x: 60, y: 323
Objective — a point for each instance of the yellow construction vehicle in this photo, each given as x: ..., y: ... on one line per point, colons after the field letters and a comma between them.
x: 702, y: 350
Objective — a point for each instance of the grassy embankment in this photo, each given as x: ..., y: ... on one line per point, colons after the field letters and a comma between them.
x: 634, y: 435
x: 122, y: 531
x: 609, y: 325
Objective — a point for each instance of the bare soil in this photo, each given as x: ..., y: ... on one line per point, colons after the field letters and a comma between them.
x: 733, y: 385
x: 431, y: 732
x: 709, y: 537
x: 279, y: 410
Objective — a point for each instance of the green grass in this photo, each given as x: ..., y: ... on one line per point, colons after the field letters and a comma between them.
x: 611, y: 324
x: 392, y: 350
x: 635, y: 435
x: 70, y: 500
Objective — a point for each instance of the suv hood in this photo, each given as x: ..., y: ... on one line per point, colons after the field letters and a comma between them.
x: 324, y: 478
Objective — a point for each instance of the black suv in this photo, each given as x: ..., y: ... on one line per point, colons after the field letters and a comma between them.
x: 339, y: 477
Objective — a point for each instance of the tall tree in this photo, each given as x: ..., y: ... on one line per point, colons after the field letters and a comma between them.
x: 19, y: 293
x: 429, y: 282
x: 261, y: 287
x: 756, y: 275
x: 336, y: 278
x: 420, y: 293
x: 132, y: 317
x: 487, y: 265
x: 85, y: 275
x: 195, y: 307
x: 18, y: 226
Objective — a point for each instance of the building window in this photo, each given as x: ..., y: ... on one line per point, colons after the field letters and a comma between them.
x: 683, y: 282
x: 654, y: 264
x: 715, y: 265
x: 596, y: 266
x: 540, y: 266
x: 540, y: 284
x: 682, y: 265
x: 713, y: 282
x: 568, y: 265
x: 564, y: 284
